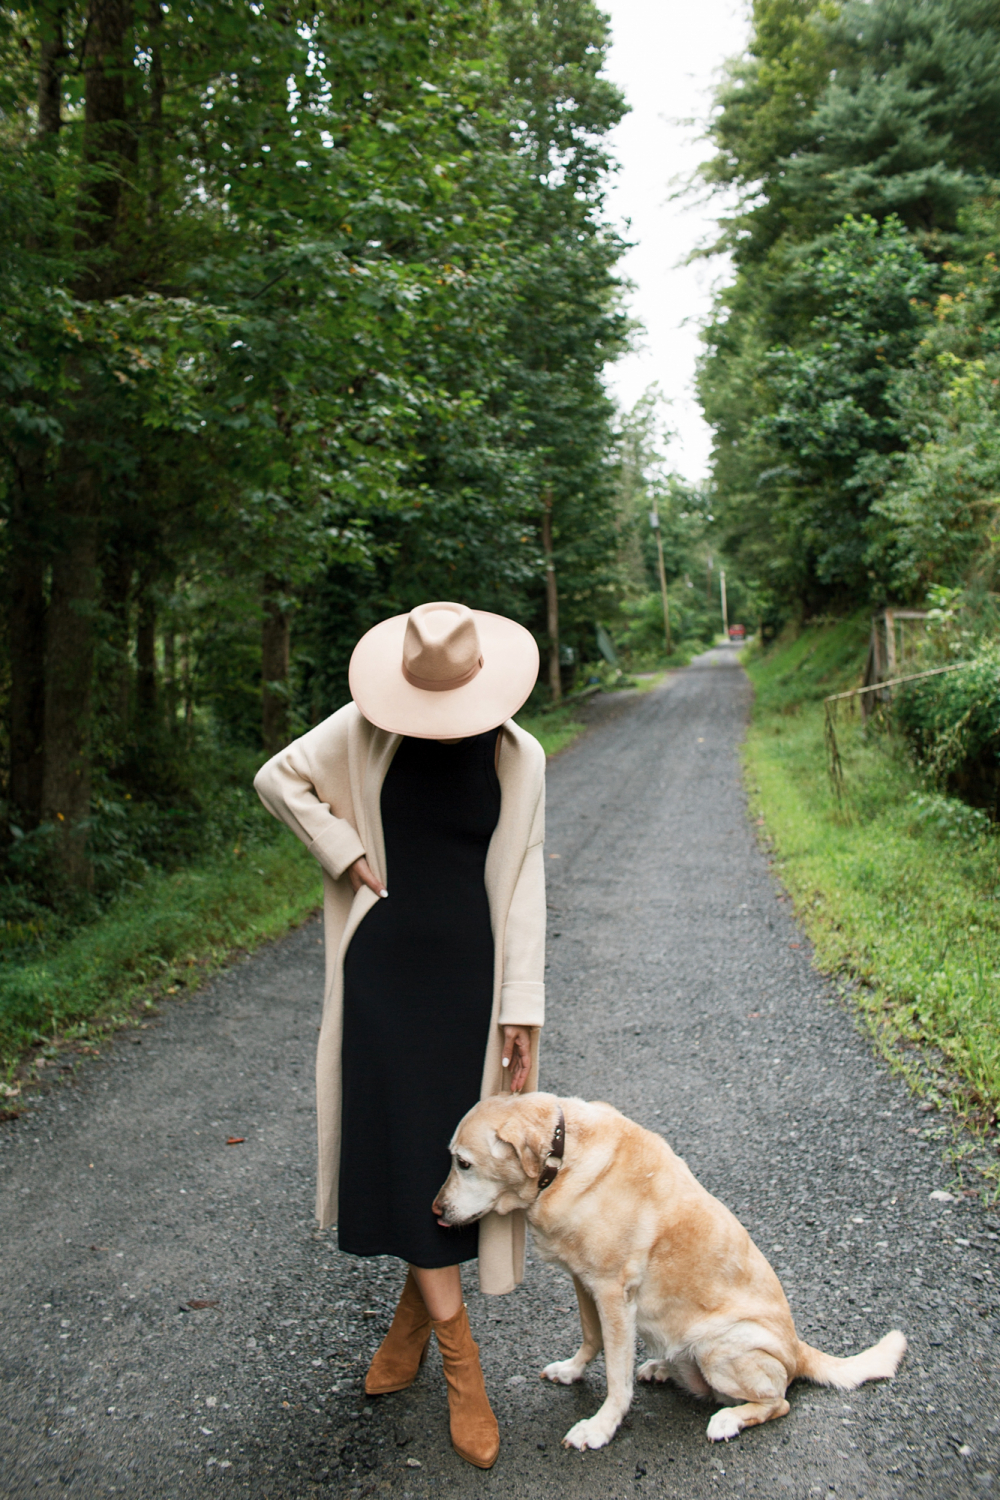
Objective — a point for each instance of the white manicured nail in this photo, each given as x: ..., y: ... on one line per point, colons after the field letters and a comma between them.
x: 506, y: 1062
x: 383, y: 893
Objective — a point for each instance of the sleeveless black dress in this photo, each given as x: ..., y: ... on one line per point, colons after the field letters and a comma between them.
x: 418, y: 994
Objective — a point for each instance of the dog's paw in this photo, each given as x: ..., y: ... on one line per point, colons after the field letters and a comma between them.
x: 654, y: 1369
x: 724, y: 1425
x: 563, y: 1372
x: 589, y: 1434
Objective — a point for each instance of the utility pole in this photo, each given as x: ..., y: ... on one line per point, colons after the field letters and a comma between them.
x: 654, y: 521
x: 551, y: 597
x: 725, y: 606
x: 708, y: 583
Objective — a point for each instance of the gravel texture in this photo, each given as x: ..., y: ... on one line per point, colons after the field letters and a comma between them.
x: 681, y: 990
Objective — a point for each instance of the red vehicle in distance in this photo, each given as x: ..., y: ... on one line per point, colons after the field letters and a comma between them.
x: 737, y: 632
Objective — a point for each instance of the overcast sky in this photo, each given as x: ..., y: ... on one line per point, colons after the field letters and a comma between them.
x: 665, y: 55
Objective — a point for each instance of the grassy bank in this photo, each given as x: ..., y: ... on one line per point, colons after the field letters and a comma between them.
x: 898, y: 887
x: 167, y: 935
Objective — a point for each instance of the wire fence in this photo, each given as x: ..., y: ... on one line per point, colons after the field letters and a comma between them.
x: 835, y: 765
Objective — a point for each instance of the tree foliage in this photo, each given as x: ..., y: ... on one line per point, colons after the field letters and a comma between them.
x: 304, y: 311
x: 847, y: 365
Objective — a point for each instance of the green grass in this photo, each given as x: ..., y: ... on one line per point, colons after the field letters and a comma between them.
x: 906, y: 904
x: 554, y: 730
x: 165, y: 936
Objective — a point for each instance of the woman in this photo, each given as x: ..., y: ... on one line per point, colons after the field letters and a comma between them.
x: 424, y: 804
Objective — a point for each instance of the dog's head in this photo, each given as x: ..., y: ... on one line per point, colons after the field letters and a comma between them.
x: 497, y: 1156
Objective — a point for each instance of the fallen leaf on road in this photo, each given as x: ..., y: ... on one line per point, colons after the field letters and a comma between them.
x: 795, y: 945
x: 940, y: 1196
x: 101, y: 1249
x: 414, y: 1463
x: 199, y: 1303
x: 236, y: 1140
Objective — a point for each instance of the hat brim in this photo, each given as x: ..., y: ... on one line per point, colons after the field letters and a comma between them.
x: 499, y: 688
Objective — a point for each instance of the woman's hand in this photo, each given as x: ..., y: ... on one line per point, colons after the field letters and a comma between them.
x: 360, y: 873
x: 517, y: 1055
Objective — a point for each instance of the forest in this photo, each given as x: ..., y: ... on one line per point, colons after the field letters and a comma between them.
x: 306, y: 314
x: 850, y: 372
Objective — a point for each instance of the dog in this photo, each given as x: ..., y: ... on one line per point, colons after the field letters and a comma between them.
x: 651, y: 1252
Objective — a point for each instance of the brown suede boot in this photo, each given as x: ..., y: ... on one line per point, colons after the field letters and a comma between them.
x: 475, y: 1435
x: 404, y: 1348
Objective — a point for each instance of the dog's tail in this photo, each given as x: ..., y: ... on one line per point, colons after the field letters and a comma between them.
x: 880, y: 1362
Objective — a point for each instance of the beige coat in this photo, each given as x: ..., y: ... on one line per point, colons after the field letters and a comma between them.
x: 327, y: 787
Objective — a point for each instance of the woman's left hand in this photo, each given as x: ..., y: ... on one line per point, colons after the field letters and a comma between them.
x: 517, y: 1055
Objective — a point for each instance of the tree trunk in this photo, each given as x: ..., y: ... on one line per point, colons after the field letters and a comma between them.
x: 108, y: 148
x: 145, y: 661
x: 69, y: 674
x: 170, y: 679
x: 116, y: 578
x: 551, y: 599
x: 109, y: 144
x: 51, y: 53
x: 26, y: 642
x: 25, y: 582
x: 275, y: 643
x: 157, y: 89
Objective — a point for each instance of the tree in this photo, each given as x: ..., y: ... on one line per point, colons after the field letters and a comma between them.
x: 867, y: 126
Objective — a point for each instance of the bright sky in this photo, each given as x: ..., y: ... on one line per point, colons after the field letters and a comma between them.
x: 665, y: 55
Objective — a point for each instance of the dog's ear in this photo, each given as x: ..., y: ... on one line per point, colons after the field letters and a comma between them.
x: 527, y: 1128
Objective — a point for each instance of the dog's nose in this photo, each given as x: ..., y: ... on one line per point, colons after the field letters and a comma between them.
x: 436, y: 1208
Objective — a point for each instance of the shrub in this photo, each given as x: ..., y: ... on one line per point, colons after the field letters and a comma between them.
x: 952, y: 724
x: 948, y: 818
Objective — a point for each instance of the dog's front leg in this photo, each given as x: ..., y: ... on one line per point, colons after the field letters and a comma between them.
x: 616, y: 1309
x: 566, y: 1371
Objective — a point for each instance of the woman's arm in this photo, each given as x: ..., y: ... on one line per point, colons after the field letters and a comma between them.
x: 522, y: 993
x: 303, y: 783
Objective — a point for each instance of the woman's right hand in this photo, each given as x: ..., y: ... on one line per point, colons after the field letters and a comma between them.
x: 360, y: 873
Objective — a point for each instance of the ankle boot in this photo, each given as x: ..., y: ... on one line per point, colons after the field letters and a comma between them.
x: 475, y: 1435
x: 404, y: 1348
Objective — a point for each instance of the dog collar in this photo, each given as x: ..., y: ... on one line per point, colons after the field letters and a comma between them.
x: 551, y: 1169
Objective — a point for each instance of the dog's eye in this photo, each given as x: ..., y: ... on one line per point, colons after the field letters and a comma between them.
x: 463, y: 1166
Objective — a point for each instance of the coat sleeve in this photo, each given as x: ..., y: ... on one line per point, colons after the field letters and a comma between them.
x: 307, y: 786
x: 522, y: 992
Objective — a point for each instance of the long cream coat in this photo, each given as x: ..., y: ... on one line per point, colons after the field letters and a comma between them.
x: 327, y: 787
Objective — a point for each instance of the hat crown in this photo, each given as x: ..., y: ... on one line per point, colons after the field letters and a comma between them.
x: 441, y: 647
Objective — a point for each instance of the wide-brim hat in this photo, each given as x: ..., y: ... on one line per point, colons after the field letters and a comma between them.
x: 443, y: 672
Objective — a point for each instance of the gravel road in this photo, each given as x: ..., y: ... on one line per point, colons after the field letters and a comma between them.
x: 173, y: 1325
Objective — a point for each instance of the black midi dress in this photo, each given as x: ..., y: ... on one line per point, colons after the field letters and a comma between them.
x: 418, y: 995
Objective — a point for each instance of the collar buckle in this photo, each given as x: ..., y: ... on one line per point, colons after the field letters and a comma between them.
x: 550, y: 1171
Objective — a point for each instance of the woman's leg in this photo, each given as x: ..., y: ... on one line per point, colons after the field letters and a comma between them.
x: 441, y: 1289
x: 474, y: 1430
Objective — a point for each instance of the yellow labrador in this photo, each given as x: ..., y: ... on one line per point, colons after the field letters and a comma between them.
x: 651, y: 1253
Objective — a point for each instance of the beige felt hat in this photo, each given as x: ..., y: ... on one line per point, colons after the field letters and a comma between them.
x: 443, y: 672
